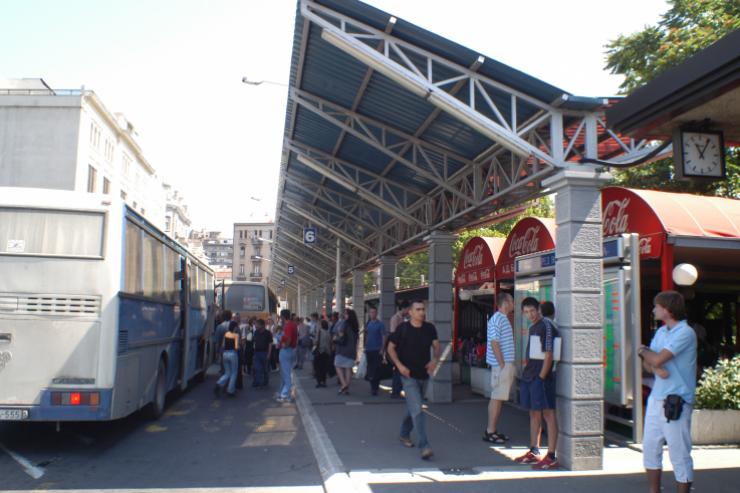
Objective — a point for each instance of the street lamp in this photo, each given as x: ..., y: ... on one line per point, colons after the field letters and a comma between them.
x: 246, y: 80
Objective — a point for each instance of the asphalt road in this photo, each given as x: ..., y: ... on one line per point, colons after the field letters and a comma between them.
x: 200, y: 442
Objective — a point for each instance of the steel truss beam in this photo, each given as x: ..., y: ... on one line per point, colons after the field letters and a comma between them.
x: 524, y: 152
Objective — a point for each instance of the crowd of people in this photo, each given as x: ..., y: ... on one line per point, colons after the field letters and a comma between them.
x: 409, y: 352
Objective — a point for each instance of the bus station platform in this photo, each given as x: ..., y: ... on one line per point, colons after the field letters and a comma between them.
x: 359, y: 433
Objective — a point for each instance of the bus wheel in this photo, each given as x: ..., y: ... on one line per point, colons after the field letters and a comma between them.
x: 156, y: 409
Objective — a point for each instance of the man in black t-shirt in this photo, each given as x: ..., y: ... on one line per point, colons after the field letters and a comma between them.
x: 409, y: 349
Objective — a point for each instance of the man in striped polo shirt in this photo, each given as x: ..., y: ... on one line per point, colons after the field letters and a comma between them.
x: 500, y: 356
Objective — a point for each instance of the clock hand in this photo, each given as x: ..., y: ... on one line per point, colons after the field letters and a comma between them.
x: 701, y: 151
x: 705, y: 148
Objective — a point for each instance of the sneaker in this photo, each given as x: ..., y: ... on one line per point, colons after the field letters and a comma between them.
x: 528, y: 458
x: 546, y: 464
x: 406, y: 442
x: 426, y: 453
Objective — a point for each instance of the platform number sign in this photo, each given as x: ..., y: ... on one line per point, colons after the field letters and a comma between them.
x: 309, y: 236
x: 291, y: 270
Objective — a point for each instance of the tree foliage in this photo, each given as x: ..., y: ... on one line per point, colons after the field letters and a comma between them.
x: 686, y: 28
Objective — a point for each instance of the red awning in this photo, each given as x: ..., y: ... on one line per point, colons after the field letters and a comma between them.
x: 659, y: 215
x: 530, y: 235
x: 477, y: 263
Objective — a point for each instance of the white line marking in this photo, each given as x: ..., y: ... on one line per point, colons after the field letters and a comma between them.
x: 34, y: 471
x: 333, y: 473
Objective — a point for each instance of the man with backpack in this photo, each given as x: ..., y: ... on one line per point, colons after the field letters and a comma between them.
x: 409, y: 349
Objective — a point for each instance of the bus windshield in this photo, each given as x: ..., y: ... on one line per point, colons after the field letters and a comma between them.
x: 51, y: 232
x: 245, y: 298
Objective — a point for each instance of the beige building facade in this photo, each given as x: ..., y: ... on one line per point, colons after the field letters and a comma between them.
x: 252, y: 249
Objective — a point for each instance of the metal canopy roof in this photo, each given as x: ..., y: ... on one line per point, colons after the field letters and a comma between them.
x: 392, y: 131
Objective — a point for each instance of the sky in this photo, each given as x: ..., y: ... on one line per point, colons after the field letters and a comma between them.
x: 174, y: 68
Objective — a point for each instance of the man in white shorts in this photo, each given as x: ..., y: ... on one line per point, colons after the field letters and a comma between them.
x: 672, y: 358
x: 500, y: 356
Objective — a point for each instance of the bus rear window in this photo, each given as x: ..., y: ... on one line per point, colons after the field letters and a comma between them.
x: 51, y: 232
x: 245, y: 298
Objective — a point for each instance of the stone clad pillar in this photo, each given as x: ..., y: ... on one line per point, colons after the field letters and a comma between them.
x: 439, y: 309
x: 579, y: 313
x: 358, y: 294
x: 387, y: 306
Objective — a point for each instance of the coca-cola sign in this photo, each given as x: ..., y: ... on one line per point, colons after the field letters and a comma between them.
x: 473, y: 258
x: 526, y: 243
x: 616, y: 220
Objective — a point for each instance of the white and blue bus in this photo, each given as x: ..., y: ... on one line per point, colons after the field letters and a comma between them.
x: 101, y: 314
x: 249, y: 299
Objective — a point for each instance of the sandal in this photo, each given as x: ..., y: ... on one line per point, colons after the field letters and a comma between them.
x: 497, y: 438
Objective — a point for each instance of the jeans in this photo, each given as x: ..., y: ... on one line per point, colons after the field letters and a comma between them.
x: 396, y: 386
x: 415, y: 418
x: 301, y: 356
x: 231, y: 367
x: 287, y: 360
x: 373, y: 361
x: 260, y: 369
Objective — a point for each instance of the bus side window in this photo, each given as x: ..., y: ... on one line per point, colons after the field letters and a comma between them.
x: 152, y: 267
x: 193, y: 285
x: 171, y: 267
x: 133, y: 259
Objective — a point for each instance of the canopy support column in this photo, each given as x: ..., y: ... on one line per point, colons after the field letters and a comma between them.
x: 579, y: 311
x: 339, y: 290
x: 439, y: 310
x: 386, y: 285
x: 358, y: 294
x: 328, y: 296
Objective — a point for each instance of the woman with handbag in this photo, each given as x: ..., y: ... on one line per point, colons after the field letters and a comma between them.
x: 345, y: 341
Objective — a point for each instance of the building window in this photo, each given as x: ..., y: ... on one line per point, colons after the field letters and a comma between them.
x: 167, y: 224
x: 241, y: 269
x: 108, y: 150
x: 270, y: 234
x: 106, y: 186
x: 134, y: 204
x: 242, y: 251
x: 123, y: 195
x: 94, y: 135
x: 92, y: 177
x: 126, y: 164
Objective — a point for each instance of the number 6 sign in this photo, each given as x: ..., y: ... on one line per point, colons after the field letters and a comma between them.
x: 309, y: 236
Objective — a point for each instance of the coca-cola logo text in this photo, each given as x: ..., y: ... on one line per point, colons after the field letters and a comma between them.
x: 526, y: 243
x: 616, y: 219
x: 473, y: 258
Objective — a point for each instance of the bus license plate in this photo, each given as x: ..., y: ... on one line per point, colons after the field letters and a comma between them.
x: 13, y: 414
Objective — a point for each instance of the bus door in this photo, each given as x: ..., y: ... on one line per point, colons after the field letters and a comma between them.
x: 184, y: 321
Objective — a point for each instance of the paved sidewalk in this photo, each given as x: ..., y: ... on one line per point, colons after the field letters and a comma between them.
x: 363, y: 430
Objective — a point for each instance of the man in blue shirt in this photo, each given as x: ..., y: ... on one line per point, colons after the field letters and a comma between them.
x: 375, y: 337
x: 672, y: 357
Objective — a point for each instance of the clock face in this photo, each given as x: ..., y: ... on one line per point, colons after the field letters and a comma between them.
x: 702, y: 154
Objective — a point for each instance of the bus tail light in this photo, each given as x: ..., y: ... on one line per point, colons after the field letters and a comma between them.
x: 75, y: 398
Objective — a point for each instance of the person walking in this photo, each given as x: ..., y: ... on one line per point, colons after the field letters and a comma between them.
x: 218, y: 337
x: 333, y: 321
x: 537, y: 390
x: 397, y: 319
x: 262, y: 340
x: 288, y: 342
x: 322, y: 354
x: 248, y: 345
x: 305, y: 343
x: 345, y: 341
x: 375, y: 339
x: 672, y: 358
x: 409, y: 349
x: 500, y: 356
x: 231, y: 362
